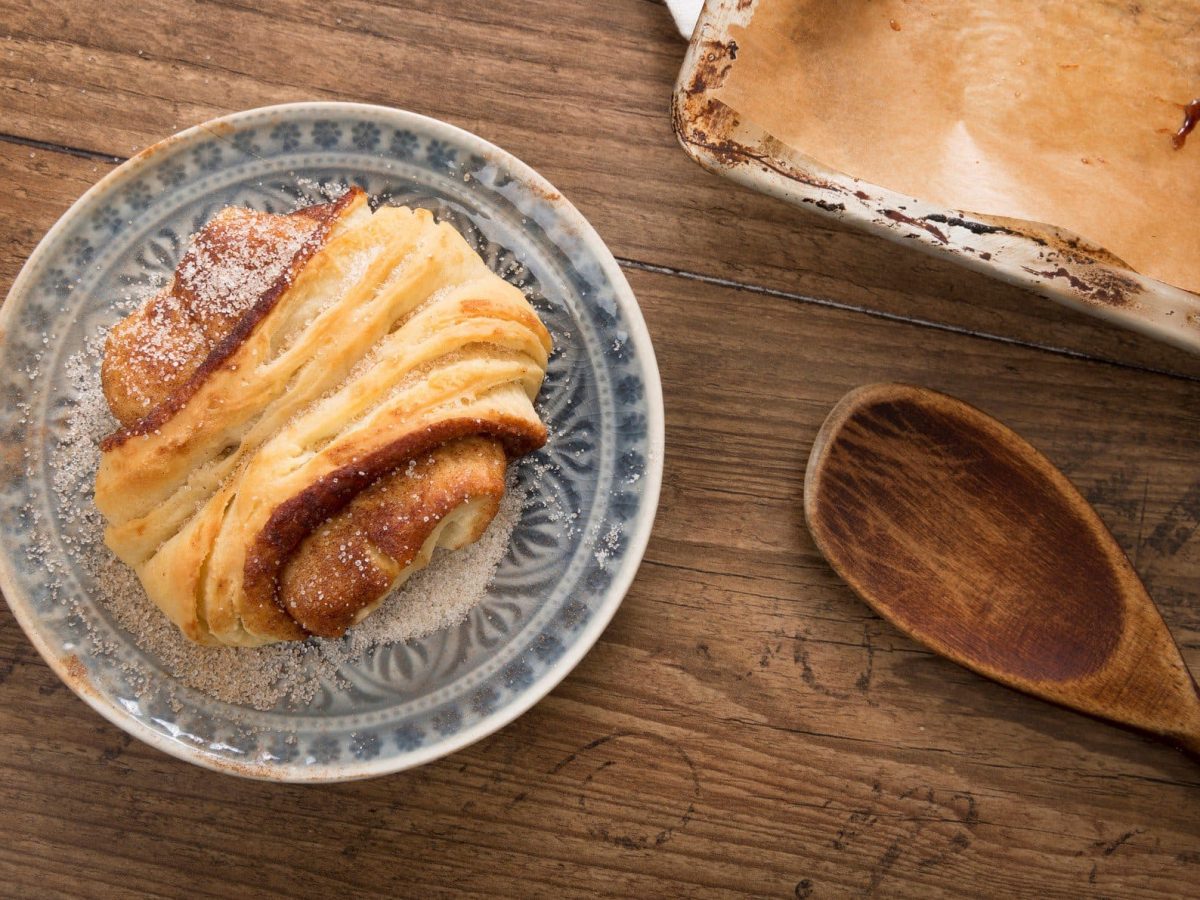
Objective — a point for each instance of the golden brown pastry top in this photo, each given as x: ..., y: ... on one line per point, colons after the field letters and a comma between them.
x: 325, y: 373
x: 343, y: 568
x: 234, y: 270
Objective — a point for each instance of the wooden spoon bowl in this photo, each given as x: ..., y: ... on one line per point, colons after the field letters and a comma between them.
x: 961, y: 534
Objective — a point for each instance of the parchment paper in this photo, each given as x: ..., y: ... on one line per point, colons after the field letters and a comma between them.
x: 1050, y: 111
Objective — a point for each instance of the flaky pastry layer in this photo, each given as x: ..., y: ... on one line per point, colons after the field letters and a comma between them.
x: 327, y: 372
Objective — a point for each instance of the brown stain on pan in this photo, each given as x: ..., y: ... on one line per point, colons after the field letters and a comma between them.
x: 1093, y: 272
x: 971, y: 225
x: 715, y: 61
x: 697, y: 118
x: 896, y: 216
x: 702, y: 123
x: 1099, y: 285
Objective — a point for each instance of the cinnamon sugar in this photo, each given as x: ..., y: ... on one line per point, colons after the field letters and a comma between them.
x: 280, y: 675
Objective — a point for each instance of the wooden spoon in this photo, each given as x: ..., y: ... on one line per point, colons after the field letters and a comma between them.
x: 962, y: 535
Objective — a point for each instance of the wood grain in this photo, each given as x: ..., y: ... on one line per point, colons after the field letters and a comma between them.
x: 745, y: 726
x: 960, y: 533
x: 581, y: 93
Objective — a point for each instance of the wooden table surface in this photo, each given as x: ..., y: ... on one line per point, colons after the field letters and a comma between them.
x: 745, y: 725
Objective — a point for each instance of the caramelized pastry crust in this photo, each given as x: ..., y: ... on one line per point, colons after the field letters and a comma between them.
x: 315, y: 403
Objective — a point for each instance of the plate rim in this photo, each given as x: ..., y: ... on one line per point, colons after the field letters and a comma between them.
x: 639, y: 335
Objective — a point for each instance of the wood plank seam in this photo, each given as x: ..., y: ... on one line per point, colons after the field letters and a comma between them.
x: 641, y: 265
x: 51, y: 147
x: 672, y: 271
x: 827, y: 303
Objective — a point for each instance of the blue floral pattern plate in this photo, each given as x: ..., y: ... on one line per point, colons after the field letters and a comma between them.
x: 403, y: 704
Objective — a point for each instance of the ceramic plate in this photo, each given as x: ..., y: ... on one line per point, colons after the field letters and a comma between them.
x: 554, y: 592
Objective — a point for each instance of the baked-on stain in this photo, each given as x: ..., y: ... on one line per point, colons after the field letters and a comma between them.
x: 716, y: 137
x: 969, y: 224
x: 694, y: 115
x: 704, y: 124
x: 896, y: 216
x: 324, y: 216
x: 861, y: 495
x: 714, y: 65
x: 1108, y: 288
x: 1191, y: 115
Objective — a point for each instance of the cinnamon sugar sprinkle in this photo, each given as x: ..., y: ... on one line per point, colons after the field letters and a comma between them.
x: 286, y: 675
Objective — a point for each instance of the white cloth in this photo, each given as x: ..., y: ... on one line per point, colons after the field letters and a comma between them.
x: 685, y: 13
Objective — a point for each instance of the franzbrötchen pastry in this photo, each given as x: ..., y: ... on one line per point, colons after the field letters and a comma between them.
x: 314, y: 403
